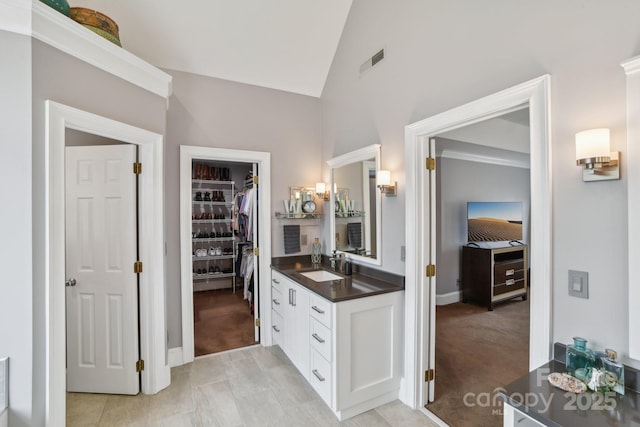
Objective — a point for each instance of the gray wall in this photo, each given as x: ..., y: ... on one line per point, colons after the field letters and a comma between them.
x: 459, y: 182
x: 442, y: 54
x: 217, y: 113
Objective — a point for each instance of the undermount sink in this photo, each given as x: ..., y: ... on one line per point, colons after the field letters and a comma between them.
x: 321, y: 276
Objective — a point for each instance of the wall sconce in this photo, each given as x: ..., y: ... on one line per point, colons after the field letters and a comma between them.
x: 592, y: 153
x: 384, y: 183
x: 321, y: 191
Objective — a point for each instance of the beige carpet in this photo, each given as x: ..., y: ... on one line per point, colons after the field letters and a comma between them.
x: 222, y: 321
x: 478, y: 351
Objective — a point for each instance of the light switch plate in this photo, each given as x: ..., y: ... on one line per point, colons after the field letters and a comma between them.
x: 579, y: 284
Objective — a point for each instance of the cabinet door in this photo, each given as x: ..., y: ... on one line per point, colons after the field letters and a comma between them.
x: 296, y: 325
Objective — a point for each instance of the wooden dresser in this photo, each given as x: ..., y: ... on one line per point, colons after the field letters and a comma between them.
x: 492, y: 275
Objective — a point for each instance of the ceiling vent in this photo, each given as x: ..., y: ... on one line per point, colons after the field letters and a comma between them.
x: 371, y: 62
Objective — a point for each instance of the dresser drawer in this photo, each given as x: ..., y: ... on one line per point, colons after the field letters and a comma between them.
x: 276, y: 328
x: 320, y: 376
x: 509, y: 286
x: 508, y: 270
x: 320, y: 310
x: 321, y: 339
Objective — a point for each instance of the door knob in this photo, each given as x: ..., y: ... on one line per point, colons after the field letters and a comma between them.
x: 70, y: 282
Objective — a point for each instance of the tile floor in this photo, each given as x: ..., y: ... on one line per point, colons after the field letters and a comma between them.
x: 256, y: 386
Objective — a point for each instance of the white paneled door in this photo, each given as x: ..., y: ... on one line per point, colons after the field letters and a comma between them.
x: 101, y: 286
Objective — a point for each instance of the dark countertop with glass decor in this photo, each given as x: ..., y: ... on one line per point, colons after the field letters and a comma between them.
x: 363, y: 282
x: 534, y: 396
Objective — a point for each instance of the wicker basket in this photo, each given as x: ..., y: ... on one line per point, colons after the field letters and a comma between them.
x: 97, y: 22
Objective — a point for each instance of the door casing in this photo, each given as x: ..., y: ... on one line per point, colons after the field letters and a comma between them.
x: 536, y: 94
x: 156, y: 374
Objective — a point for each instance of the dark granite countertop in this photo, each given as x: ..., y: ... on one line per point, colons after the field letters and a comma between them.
x: 358, y: 285
x: 533, y: 395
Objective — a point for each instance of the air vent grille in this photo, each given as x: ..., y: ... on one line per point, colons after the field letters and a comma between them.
x: 369, y: 63
x: 377, y: 57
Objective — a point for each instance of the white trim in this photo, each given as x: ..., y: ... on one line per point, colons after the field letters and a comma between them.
x: 536, y: 94
x: 632, y: 69
x: 156, y: 375
x: 44, y: 23
x: 448, y: 298
x: 263, y: 159
x: 481, y: 158
x: 174, y: 357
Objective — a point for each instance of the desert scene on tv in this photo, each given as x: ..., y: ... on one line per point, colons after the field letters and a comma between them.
x: 494, y: 221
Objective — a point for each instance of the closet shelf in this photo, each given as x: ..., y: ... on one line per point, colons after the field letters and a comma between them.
x: 210, y: 181
x: 213, y: 257
x: 207, y: 276
x: 212, y: 239
x: 199, y: 203
x: 211, y: 221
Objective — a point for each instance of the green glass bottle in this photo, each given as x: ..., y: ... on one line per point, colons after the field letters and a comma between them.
x: 580, y: 358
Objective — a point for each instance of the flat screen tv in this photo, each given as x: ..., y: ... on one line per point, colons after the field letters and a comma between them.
x: 494, y: 221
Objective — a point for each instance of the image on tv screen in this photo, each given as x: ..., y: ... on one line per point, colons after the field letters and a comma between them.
x: 494, y: 221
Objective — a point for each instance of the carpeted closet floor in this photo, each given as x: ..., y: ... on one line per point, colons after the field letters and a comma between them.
x: 478, y: 351
x: 222, y: 321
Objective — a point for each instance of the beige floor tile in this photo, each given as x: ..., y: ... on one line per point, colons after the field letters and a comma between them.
x: 260, y: 409
x: 178, y: 420
x: 215, y: 405
x: 125, y: 411
x: 367, y: 419
x: 398, y: 414
x: 85, y: 409
x: 209, y: 370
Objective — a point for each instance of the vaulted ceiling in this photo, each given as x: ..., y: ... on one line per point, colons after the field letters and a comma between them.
x: 281, y: 44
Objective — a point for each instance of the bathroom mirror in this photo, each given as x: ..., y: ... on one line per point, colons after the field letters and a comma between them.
x: 355, y: 205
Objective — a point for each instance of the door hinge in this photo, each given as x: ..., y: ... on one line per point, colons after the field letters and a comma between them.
x: 431, y: 163
x: 137, y: 168
x: 258, y: 322
x: 255, y: 180
x: 137, y: 267
x: 256, y: 251
x: 431, y: 270
x: 429, y: 375
x: 140, y: 365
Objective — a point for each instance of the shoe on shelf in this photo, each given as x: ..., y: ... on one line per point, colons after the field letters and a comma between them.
x: 211, y: 269
x: 198, y: 196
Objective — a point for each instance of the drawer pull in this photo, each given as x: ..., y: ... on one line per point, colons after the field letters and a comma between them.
x: 316, y: 309
x: 317, y: 337
x: 510, y: 272
x: 275, y: 301
x: 510, y: 282
x: 275, y: 281
x: 317, y: 374
x: 275, y: 328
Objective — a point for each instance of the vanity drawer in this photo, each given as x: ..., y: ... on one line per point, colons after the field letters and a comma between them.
x: 320, y: 310
x: 276, y: 299
x: 276, y: 328
x: 321, y: 339
x: 320, y: 376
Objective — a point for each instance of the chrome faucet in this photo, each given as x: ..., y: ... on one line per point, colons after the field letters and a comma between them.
x: 337, y: 257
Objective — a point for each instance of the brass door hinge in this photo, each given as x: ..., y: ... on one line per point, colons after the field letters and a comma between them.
x: 137, y: 168
x: 256, y: 251
x: 140, y: 365
x: 431, y: 163
x: 255, y: 180
x: 429, y: 375
x: 258, y: 322
x: 431, y: 270
x: 137, y: 267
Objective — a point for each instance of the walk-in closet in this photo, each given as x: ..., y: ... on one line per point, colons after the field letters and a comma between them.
x: 224, y: 206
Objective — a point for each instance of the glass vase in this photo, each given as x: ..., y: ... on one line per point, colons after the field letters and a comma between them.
x: 316, y: 252
x: 579, y: 358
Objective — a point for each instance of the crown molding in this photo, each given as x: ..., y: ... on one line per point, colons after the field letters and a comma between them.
x: 479, y: 158
x: 41, y: 22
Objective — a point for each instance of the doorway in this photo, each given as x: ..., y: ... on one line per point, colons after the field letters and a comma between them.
x: 156, y: 374
x: 223, y: 231
x: 214, y: 283
x: 481, y: 347
x: 420, y: 221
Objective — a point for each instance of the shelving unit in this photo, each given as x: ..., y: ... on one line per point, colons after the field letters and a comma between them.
x: 213, y: 241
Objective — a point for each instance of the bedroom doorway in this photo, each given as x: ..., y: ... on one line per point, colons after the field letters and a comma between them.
x: 472, y: 175
x: 420, y: 295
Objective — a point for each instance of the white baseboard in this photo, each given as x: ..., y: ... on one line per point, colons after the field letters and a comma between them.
x: 449, y: 298
x: 174, y: 357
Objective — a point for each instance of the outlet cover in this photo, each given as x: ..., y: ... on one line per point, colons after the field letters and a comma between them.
x: 579, y: 284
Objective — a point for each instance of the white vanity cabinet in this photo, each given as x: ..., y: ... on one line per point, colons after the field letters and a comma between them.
x: 293, y: 308
x: 352, y: 350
